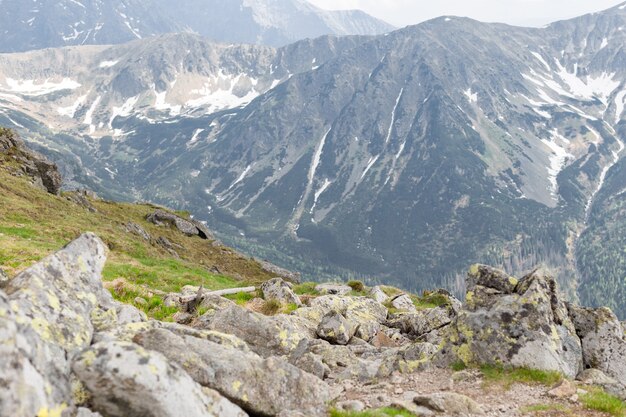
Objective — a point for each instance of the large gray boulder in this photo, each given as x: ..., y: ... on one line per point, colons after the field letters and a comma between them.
x: 335, y: 329
x: 603, y: 340
x: 126, y: 380
x: 266, y: 336
x: 522, y: 325
x: 4, y: 279
x: 422, y: 322
x: 45, y: 321
x: 260, y: 386
x: 280, y: 290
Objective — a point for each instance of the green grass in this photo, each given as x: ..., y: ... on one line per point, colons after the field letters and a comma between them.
x: 154, y: 308
x: 356, y: 286
x: 540, y: 408
x: 597, y: 399
x: 306, y: 288
x: 380, y: 412
x: 21, y: 232
x: 241, y: 298
x: 458, y: 366
x: 508, y: 376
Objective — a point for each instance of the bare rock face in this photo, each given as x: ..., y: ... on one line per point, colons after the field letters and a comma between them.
x: 603, y: 340
x: 44, y: 173
x: 336, y: 329
x: 523, y: 324
x: 45, y: 319
x: 125, y: 379
x: 260, y: 386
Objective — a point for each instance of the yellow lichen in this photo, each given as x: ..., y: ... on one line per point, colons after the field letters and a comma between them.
x: 474, y: 269
x: 52, y: 412
x: 513, y: 281
x: 237, y: 385
x: 54, y: 302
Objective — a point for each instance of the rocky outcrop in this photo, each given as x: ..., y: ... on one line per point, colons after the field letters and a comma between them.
x: 523, y: 324
x: 188, y: 227
x: 125, y: 379
x: 286, y: 274
x: 243, y: 377
x: 43, y: 173
x: 335, y: 329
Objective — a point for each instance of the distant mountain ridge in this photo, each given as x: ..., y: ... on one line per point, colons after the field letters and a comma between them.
x: 400, y: 158
x: 50, y: 23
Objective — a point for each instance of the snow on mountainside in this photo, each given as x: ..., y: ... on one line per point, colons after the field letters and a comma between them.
x: 36, y: 24
x: 405, y: 156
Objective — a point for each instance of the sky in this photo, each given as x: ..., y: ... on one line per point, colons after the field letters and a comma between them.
x: 401, y: 13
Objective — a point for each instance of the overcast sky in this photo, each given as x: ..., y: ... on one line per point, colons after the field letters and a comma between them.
x: 516, y: 12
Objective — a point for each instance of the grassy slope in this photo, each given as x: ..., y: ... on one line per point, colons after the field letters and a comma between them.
x: 34, y: 224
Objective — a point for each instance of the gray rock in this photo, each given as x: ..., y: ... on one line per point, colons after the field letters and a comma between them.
x: 486, y: 276
x: 526, y: 328
x: 4, y: 279
x: 278, y: 289
x: 261, y: 386
x: 450, y: 403
x: 595, y: 377
x: 85, y: 412
x: 48, y: 322
x: 378, y: 294
x: 403, y: 303
x: 351, y: 405
x: 189, y: 227
x: 333, y: 289
x: 366, y: 314
x: 125, y: 379
x: 335, y: 329
x: 267, y: 336
x: 603, y: 340
x: 422, y: 321
x: 135, y: 229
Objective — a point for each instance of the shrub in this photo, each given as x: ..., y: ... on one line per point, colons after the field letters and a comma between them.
x: 356, y: 286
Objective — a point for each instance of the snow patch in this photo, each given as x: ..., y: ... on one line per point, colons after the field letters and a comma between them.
x: 370, y: 164
x: 319, y: 192
x: 89, y: 116
x: 393, y: 116
x: 32, y: 88
x: 472, y: 97
x: 71, y: 110
x: 107, y: 64
x: 124, y: 111
x: 619, y: 105
x: 240, y: 178
x: 558, y: 158
x: 540, y: 59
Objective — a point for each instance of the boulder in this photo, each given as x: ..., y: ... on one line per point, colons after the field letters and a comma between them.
x: 260, y: 386
x: 403, y: 302
x: 125, y: 379
x: 365, y: 314
x: 378, y: 294
x: 333, y: 289
x: 603, y: 340
x: 523, y: 326
x: 280, y: 290
x: 267, y: 336
x: 188, y: 227
x: 48, y: 322
x: 335, y: 329
x: 423, y: 321
x: 449, y: 403
x: 4, y: 279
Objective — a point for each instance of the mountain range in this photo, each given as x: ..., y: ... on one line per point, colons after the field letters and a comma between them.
x: 51, y: 23
x: 399, y: 158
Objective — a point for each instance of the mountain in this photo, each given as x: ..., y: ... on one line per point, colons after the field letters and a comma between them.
x: 399, y: 158
x: 50, y: 23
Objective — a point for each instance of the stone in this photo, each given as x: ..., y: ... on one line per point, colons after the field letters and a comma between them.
x: 333, y: 289
x: 140, y: 301
x: 351, y: 405
x: 335, y: 329
x: 135, y: 229
x: 188, y: 227
x: 382, y: 340
x: 414, y: 409
x: 403, y: 302
x: 260, y: 386
x: 603, y: 340
x: 529, y: 327
x: 423, y: 321
x: 595, y: 377
x: 564, y: 389
x: 267, y: 336
x: 183, y: 318
x: 378, y: 294
x: 280, y: 290
x: 45, y: 319
x: 85, y: 412
x: 450, y: 403
x: 4, y: 279
x: 125, y: 379
x: 486, y: 276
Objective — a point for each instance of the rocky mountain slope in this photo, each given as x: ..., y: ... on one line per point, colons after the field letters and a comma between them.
x: 401, y: 158
x: 47, y: 23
